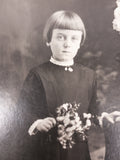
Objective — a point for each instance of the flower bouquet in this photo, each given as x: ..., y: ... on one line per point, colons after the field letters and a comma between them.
x: 70, y: 124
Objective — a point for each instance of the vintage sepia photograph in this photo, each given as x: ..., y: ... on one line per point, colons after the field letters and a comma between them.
x: 60, y: 80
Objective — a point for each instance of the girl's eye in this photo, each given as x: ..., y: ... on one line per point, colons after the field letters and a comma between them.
x: 60, y: 37
x: 75, y: 38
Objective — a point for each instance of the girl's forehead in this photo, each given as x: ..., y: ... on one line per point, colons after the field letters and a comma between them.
x: 67, y: 31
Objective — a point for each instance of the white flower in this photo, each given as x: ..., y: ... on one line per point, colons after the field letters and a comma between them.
x: 70, y: 129
x: 88, y: 122
x: 65, y: 106
x: 116, y: 21
x: 66, y: 121
x: 60, y: 118
x: 85, y: 115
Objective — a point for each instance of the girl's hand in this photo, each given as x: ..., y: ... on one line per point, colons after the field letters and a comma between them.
x: 111, y: 117
x: 116, y: 115
x: 46, y: 124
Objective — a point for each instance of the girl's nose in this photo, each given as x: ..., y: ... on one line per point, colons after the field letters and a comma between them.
x: 67, y: 43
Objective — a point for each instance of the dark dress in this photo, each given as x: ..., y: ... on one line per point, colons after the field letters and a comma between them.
x: 45, y: 88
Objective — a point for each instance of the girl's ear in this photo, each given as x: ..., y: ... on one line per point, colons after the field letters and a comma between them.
x: 47, y: 44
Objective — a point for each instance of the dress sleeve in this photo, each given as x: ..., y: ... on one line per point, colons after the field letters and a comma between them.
x: 31, y: 106
x: 32, y: 101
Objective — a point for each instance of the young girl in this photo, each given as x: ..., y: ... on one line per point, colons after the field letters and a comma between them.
x: 54, y: 83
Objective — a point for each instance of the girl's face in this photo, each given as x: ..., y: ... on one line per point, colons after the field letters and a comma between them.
x: 65, y: 44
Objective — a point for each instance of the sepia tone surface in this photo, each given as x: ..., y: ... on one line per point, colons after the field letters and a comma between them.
x: 22, y: 47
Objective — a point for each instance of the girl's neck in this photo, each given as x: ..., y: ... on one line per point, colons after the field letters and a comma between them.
x: 62, y: 63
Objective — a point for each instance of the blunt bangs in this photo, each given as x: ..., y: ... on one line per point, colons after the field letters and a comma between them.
x: 68, y: 22
x: 64, y: 20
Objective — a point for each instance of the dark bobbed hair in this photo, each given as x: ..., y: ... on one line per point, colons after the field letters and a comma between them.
x: 63, y: 20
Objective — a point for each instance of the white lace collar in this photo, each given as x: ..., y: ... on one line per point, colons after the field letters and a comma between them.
x: 59, y: 63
